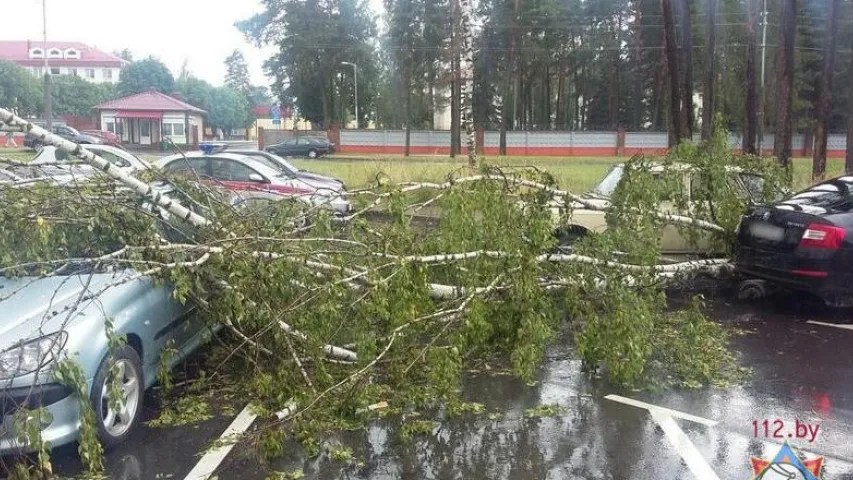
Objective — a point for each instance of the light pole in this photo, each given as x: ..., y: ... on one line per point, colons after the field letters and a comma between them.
x: 355, y: 88
x: 48, y: 99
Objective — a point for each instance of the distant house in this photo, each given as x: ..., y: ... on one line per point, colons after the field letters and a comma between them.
x: 63, y: 58
x: 148, y: 117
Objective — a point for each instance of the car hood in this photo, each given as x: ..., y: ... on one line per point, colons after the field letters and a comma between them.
x: 320, y: 181
x: 25, y: 302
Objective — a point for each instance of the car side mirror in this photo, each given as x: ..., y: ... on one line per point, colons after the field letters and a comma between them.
x: 254, y: 177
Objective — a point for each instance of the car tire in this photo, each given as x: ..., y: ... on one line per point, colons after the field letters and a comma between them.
x: 115, y: 427
x: 312, y: 153
x: 567, y: 237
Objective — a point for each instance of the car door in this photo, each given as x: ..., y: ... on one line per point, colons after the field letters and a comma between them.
x: 244, y: 181
x: 287, y: 148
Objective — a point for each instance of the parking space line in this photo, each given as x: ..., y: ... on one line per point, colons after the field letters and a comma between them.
x: 211, y: 460
x: 667, y: 411
x: 685, y: 448
x: 835, y: 325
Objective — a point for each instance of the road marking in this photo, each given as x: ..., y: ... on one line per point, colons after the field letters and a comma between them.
x: 211, y: 460
x: 836, y: 325
x: 685, y: 448
x: 667, y: 411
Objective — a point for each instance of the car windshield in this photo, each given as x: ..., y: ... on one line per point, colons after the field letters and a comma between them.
x: 608, y: 185
x: 755, y: 187
x: 276, y: 163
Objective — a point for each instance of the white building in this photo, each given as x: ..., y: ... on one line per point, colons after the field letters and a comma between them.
x: 63, y: 58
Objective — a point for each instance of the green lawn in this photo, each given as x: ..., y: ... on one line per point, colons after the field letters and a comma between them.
x: 577, y: 174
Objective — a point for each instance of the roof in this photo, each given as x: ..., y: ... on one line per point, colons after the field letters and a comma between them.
x: 150, y: 100
x: 18, y: 51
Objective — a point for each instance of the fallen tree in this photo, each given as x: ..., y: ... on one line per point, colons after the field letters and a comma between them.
x: 332, y: 315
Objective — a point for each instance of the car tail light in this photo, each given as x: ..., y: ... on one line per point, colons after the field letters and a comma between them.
x: 823, y: 236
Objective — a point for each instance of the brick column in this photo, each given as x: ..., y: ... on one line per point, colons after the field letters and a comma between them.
x: 620, y: 142
x: 261, y: 138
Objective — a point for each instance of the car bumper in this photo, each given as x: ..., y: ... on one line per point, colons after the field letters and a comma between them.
x: 819, y: 276
x: 60, y: 425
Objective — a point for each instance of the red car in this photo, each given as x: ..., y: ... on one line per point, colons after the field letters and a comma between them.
x: 109, y: 138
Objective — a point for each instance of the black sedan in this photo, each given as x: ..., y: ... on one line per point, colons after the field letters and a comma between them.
x: 66, y: 132
x: 302, y: 147
x: 804, y: 243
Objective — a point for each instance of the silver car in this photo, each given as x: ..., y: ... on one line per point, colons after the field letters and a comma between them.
x: 47, y: 319
x: 252, y: 176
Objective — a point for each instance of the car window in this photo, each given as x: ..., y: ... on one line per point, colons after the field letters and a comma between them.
x: 302, y: 141
x: 187, y: 166
x: 240, y: 172
x: 290, y: 142
x: 112, y: 158
x: 261, y: 158
x: 700, y: 187
x: 226, y: 170
x: 608, y: 185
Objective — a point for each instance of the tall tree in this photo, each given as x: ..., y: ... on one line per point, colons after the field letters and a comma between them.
x: 824, y: 103
x: 405, y: 24
x: 785, y: 88
x: 73, y: 95
x: 750, y: 130
x: 145, y: 74
x: 18, y: 90
x: 237, y: 72
x: 687, y: 64
x: 312, y: 38
x: 125, y: 54
x: 228, y: 109
x: 708, y: 105
x: 677, y: 120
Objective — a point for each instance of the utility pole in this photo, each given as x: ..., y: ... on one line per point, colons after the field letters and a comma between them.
x: 763, y: 100
x: 48, y: 99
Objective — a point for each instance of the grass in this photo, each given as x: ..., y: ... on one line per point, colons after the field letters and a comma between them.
x: 577, y: 174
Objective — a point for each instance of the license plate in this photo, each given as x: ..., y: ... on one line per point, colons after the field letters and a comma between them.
x: 767, y: 232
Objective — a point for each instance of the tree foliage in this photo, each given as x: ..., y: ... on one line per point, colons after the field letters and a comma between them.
x: 145, y: 74
x: 228, y: 109
x: 19, y: 89
x: 73, y: 95
x: 237, y: 72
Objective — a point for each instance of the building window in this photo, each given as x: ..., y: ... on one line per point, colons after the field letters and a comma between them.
x: 90, y: 73
x: 38, y: 71
x: 54, y: 53
x: 36, y: 53
x: 54, y: 70
x: 72, y: 53
x: 72, y: 71
x: 108, y: 74
x: 111, y: 127
x: 173, y: 129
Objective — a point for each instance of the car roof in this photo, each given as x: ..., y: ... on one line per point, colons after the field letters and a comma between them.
x: 244, y: 159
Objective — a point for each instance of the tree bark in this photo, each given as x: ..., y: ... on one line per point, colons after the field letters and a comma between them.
x: 677, y: 120
x: 612, y: 95
x: 455, y: 84
x: 785, y: 91
x: 561, y: 97
x: 750, y: 130
x: 708, y: 104
x: 848, y: 159
x: 824, y: 102
x: 687, y: 57
x: 408, y: 117
x: 546, y: 114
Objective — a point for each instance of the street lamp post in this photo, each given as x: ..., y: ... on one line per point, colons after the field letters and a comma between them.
x: 355, y: 88
x: 48, y: 98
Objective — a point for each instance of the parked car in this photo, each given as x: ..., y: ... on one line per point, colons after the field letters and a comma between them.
x: 66, y: 132
x: 33, y: 337
x: 107, y: 137
x: 302, y: 147
x: 286, y: 167
x: 803, y: 243
x: 253, y: 177
x: 117, y: 156
x: 584, y: 220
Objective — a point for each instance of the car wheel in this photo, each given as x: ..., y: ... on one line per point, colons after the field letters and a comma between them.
x: 114, y: 426
x: 312, y: 153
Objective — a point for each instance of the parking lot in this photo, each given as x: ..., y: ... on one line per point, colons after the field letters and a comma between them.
x: 799, y: 354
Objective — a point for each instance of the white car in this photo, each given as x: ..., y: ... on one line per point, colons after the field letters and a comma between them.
x: 252, y: 178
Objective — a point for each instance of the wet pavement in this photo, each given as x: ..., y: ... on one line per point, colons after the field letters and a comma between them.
x: 802, y: 375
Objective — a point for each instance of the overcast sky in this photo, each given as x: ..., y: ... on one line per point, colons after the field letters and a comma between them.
x: 200, y: 31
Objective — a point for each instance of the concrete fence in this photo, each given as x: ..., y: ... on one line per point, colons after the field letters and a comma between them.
x: 553, y: 143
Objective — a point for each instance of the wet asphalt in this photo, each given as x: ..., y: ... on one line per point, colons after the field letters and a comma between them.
x: 802, y: 373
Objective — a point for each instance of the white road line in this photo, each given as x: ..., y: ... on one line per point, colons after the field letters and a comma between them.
x: 685, y: 448
x: 211, y: 460
x: 836, y: 325
x: 667, y: 411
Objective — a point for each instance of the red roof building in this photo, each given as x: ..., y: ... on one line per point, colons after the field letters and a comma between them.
x: 63, y: 58
x: 148, y: 117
